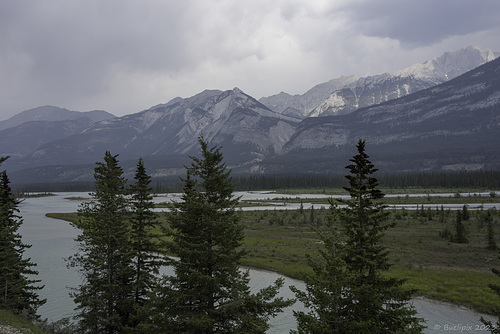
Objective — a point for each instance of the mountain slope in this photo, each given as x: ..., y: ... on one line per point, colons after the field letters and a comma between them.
x: 53, y: 114
x: 450, y: 126
x: 353, y: 93
x: 301, y: 105
x: 23, y: 133
x: 248, y: 130
x: 454, y: 125
x: 24, y: 139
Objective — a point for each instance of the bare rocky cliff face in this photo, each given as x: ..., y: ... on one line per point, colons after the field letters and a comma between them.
x: 247, y: 129
x: 346, y: 94
x: 301, y: 105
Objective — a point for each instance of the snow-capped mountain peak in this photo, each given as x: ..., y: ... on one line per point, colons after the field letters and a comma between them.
x: 450, y: 64
x: 376, y: 89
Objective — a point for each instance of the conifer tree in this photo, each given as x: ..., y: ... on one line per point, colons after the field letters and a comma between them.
x: 366, y: 300
x: 104, y: 258
x: 323, y: 295
x: 488, y: 218
x: 465, y: 213
x: 18, y: 290
x: 208, y: 292
x: 311, y: 216
x: 441, y: 214
x: 493, y: 328
x: 146, y: 248
x: 460, y: 230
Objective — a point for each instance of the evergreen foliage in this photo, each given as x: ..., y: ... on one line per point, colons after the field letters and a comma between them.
x: 465, y: 212
x: 209, y: 293
x: 446, y: 179
x: 104, y: 258
x: 146, y: 248
x: 348, y: 292
x: 493, y: 328
x: 324, y: 288
x: 18, y: 290
x: 311, y: 216
x: 488, y: 179
x: 488, y: 218
x: 460, y: 229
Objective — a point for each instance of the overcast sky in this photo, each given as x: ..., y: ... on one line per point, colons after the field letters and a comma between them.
x: 124, y: 56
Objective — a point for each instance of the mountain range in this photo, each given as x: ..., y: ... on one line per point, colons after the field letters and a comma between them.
x: 23, y: 133
x: 436, y: 115
x: 346, y: 94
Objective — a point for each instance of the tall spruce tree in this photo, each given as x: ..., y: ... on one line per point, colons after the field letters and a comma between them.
x: 323, y: 296
x: 460, y: 229
x: 146, y: 248
x: 488, y: 218
x: 104, y: 257
x: 18, y: 289
x: 493, y: 328
x: 378, y: 304
x: 208, y: 292
x: 363, y: 300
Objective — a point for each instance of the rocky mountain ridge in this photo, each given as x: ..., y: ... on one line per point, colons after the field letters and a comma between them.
x: 460, y: 114
x: 23, y: 133
x: 301, y: 105
x: 233, y: 119
x: 53, y: 114
x: 344, y: 95
x: 454, y: 125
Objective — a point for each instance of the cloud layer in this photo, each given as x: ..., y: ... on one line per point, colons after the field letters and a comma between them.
x: 124, y: 56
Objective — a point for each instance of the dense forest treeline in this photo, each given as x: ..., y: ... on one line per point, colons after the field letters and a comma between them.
x: 475, y: 179
x: 464, y: 179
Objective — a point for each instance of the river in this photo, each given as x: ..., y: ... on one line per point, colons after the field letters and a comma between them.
x: 52, y: 242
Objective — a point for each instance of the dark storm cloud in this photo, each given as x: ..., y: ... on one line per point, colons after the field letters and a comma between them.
x: 423, y: 22
x: 77, y: 41
x: 126, y: 55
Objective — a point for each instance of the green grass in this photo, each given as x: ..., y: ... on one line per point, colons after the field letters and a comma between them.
x: 70, y: 217
x: 8, y: 318
x: 280, y: 240
x: 428, y: 199
x: 411, y: 190
x: 433, y: 266
x: 467, y: 288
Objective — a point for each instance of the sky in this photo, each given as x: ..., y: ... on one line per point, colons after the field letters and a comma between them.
x: 125, y: 56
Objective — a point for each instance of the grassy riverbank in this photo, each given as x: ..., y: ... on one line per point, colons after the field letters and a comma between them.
x: 9, y: 321
x: 420, y: 250
x: 434, y: 266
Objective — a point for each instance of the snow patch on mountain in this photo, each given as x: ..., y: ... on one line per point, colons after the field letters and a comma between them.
x: 450, y: 64
x: 346, y: 94
x: 335, y: 100
x: 301, y: 105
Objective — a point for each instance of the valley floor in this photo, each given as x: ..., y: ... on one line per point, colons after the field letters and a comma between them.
x: 420, y: 246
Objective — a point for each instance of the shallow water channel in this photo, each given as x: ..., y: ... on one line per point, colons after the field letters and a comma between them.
x: 52, y: 241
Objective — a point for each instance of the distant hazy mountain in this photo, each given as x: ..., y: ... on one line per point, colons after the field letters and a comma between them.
x: 51, y: 114
x: 25, y: 132
x: 24, y: 139
x: 344, y: 95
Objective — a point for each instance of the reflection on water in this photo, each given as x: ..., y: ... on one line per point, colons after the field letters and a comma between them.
x: 52, y: 241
